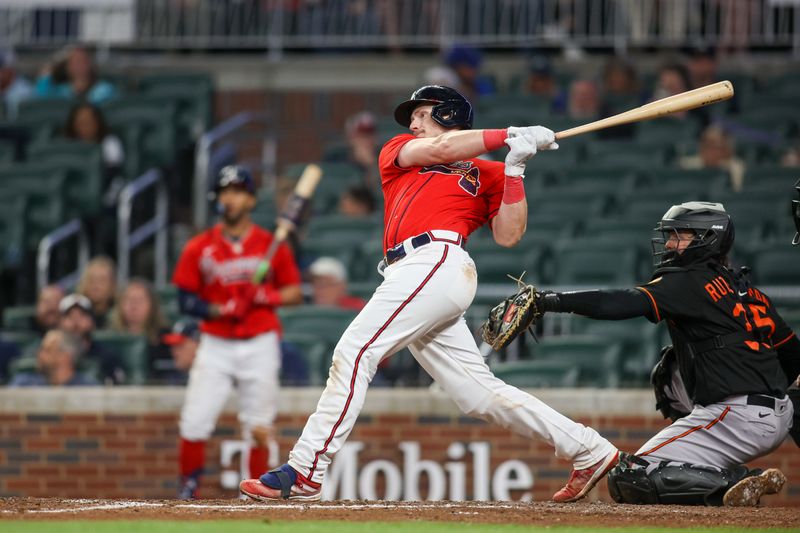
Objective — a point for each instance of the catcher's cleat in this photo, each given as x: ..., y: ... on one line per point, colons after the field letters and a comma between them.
x: 283, y: 483
x: 582, y: 481
x: 748, y: 491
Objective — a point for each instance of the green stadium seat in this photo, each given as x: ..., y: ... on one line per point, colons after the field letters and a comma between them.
x: 495, y: 263
x: 627, y: 153
x: 538, y: 373
x: 45, y: 190
x: 597, y: 359
x: 147, y: 126
x: 326, y: 323
x: 83, y: 163
x: 314, y: 247
x: 316, y: 354
x: 345, y: 229
x: 132, y: 351
x: 193, y: 94
x: 336, y: 178
x: 564, y: 202
x: 43, y: 118
x: 639, y: 339
x: 776, y: 266
x: 19, y: 317
x: 606, y: 180
x: 12, y: 230
x: 666, y: 131
x: 27, y: 341
x: 595, y: 262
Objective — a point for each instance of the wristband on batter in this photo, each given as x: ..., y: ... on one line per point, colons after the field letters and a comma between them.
x: 494, y: 139
x: 268, y: 296
x: 514, y: 190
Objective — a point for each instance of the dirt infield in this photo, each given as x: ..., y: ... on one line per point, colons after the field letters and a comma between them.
x: 538, y: 513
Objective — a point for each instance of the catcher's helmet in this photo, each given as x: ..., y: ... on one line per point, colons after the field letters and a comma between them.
x: 450, y: 108
x: 713, y: 234
x: 234, y: 176
x: 796, y: 214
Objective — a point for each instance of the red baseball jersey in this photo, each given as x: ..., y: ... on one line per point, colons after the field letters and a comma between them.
x: 218, y: 269
x: 460, y: 196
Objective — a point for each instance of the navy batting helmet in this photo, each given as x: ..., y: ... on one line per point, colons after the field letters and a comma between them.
x: 713, y: 234
x: 235, y: 176
x: 450, y: 108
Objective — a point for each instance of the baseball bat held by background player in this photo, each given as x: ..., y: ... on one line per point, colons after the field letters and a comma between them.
x: 702, y: 96
x: 289, y: 218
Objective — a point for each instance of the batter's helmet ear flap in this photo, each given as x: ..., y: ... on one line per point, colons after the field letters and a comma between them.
x: 450, y: 108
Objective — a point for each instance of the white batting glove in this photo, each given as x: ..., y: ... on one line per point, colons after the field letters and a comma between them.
x: 521, y: 149
x: 543, y: 138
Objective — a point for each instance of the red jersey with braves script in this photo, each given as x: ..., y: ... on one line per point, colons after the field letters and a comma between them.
x: 460, y: 196
x: 218, y: 269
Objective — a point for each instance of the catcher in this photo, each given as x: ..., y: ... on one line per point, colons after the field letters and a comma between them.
x: 724, y: 380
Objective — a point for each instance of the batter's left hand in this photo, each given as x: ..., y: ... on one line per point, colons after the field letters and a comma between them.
x: 262, y: 295
x: 541, y: 137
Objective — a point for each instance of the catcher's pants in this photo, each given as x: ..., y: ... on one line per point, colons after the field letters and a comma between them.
x: 253, y: 365
x: 420, y: 305
x: 725, y: 435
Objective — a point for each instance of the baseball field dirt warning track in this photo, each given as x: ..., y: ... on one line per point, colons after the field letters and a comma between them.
x: 539, y: 513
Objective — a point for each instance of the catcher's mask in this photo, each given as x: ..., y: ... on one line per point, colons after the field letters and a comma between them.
x: 713, y: 234
x: 796, y: 214
x: 450, y: 108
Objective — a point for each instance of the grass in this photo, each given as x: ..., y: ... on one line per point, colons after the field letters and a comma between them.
x: 266, y: 526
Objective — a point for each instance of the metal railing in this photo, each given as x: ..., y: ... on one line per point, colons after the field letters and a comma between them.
x: 211, y: 154
x: 72, y: 229
x: 128, y: 239
x: 277, y: 25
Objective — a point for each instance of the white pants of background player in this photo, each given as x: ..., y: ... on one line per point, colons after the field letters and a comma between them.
x: 725, y: 434
x: 252, y: 365
x: 420, y: 304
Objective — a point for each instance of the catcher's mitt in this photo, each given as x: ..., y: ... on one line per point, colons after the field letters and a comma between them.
x: 511, y: 317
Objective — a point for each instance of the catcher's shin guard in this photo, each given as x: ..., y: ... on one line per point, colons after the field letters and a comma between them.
x: 670, y: 483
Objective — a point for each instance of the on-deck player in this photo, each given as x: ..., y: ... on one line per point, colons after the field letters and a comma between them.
x: 239, y: 342
x: 723, y: 381
x: 436, y: 195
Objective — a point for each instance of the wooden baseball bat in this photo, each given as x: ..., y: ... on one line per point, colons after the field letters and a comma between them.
x: 702, y: 96
x: 287, y: 221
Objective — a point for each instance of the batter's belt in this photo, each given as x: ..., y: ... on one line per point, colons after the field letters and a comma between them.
x: 401, y: 250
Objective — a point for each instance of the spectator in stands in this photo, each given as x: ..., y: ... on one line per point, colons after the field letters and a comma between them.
x: 77, y: 318
x: 541, y: 82
x: 357, y: 201
x: 57, y: 363
x: 584, y: 100
x: 13, y: 87
x: 442, y: 75
x: 716, y: 150
x: 673, y: 79
x: 182, y: 342
x: 47, y: 314
x: 138, y: 311
x: 98, y: 284
x: 466, y: 62
x: 362, y: 147
x: 86, y: 123
x: 329, y: 285
x: 791, y: 157
x: 702, y: 66
x: 73, y: 74
x: 620, y: 92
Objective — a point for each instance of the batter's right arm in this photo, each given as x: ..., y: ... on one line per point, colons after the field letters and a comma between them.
x: 191, y: 304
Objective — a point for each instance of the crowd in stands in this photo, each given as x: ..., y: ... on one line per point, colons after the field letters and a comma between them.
x: 77, y: 334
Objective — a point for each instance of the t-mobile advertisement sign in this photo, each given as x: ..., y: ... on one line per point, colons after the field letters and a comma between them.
x: 350, y: 479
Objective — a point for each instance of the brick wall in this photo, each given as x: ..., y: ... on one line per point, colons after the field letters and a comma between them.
x: 128, y: 454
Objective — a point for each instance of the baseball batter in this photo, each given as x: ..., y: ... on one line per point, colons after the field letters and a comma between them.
x: 239, y: 342
x: 436, y: 195
x: 724, y: 380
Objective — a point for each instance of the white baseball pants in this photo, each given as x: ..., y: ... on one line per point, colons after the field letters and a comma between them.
x: 420, y: 305
x: 252, y: 365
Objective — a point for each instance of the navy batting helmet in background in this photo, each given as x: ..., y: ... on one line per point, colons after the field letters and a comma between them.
x: 450, y: 108
x: 235, y: 176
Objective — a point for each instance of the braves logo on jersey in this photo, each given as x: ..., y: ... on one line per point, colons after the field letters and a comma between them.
x: 228, y: 271
x: 469, y: 174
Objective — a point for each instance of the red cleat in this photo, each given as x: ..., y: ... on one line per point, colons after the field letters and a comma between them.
x: 281, y: 484
x: 582, y: 481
